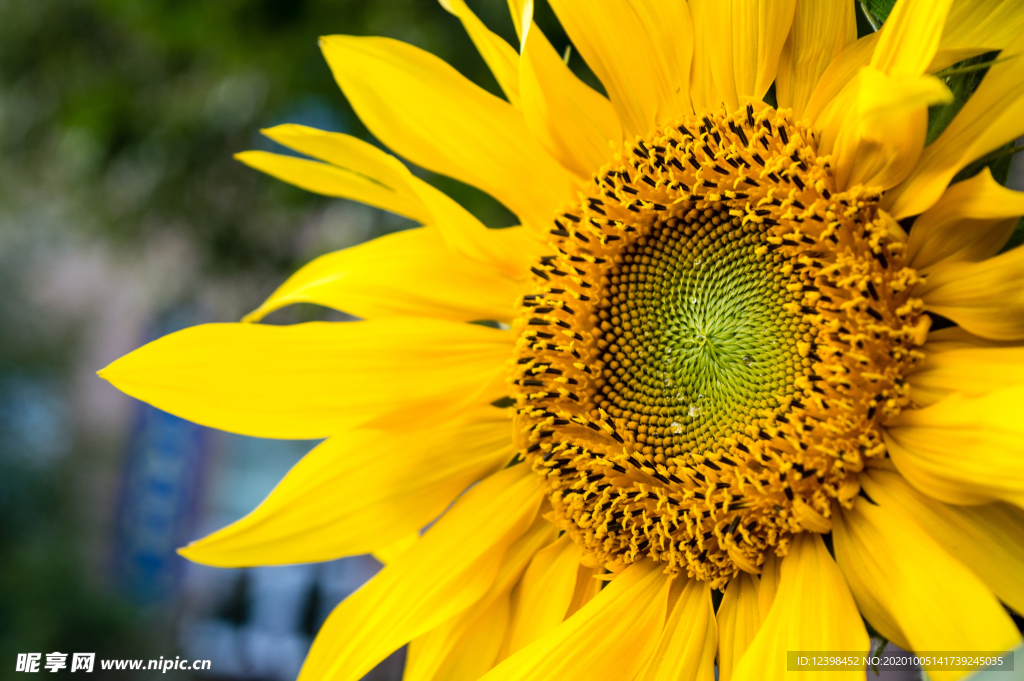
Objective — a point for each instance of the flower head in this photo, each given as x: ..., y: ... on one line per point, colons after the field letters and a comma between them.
x: 709, y: 357
x: 715, y: 364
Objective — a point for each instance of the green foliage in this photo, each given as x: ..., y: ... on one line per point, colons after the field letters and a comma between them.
x: 1016, y: 239
x: 877, y: 11
x: 998, y: 162
x: 878, y: 653
x: 962, y: 79
x: 864, y: 25
x: 132, y: 110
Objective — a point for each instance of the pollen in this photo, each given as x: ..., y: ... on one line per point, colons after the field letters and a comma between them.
x: 706, y: 360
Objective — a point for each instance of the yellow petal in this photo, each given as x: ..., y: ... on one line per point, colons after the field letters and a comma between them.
x: 472, y: 642
x: 809, y: 518
x: 427, y: 112
x: 977, y: 26
x: 745, y: 39
x: 516, y: 250
x: 940, y: 375
x: 768, y: 584
x: 512, y: 251
x: 339, y: 500
x: 902, y: 49
x: 878, y: 126
x: 910, y: 37
x: 344, y: 151
x: 856, y: 562
x: 839, y: 73
x: 463, y: 233
x: 329, y: 180
x: 971, y: 222
x: 314, y: 380
x: 703, y: 91
x: 955, y: 338
x: 411, y: 273
x: 972, y: 371
x: 963, y: 450
x: 985, y: 298
x: 613, y: 40
x: 391, y: 552
x: 469, y: 644
x: 574, y: 123
x: 519, y: 9
x: 689, y: 640
x: 984, y: 538
x: 609, y: 638
x: 928, y: 472
x: 972, y: 27
x: 589, y: 581
x: 447, y: 571
x: 993, y: 116
x: 669, y: 29
x: 542, y: 598
x: 821, y: 30
x: 501, y: 58
x: 935, y: 602
x: 811, y: 590
x: 739, y: 618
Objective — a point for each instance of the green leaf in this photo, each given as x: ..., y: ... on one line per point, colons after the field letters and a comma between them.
x: 962, y: 79
x: 877, y: 11
x: 997, y: 161
x: 1000, y: 164
x: 1016, y: 239
x: 865, y: 26
x: 882, y: 643
x: 878, y: 653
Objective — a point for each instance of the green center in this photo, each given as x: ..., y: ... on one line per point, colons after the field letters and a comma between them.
x: 699, y: 341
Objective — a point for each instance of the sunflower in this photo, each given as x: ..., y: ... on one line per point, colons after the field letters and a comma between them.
x: 696, y: 410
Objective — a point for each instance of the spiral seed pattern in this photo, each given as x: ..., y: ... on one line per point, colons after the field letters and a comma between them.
x: 697, y: 336
x: 703, y: 366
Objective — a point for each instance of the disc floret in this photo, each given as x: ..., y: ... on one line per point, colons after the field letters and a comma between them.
x: 707, y: 358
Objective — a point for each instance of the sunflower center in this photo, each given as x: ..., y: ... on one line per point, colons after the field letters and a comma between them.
x: 705, y: 362
x: 697, y: 336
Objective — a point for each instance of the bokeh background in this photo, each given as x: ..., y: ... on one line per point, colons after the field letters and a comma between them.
x: 123, y: 217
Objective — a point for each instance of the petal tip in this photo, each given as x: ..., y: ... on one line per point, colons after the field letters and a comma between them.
x: 200, y: 551
x: 194, y: 554
x: 110, y: 373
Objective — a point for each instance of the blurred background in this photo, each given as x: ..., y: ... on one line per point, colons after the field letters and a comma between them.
x: 124, y: 217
